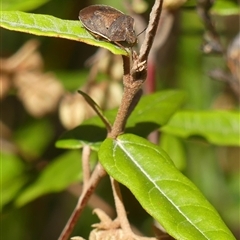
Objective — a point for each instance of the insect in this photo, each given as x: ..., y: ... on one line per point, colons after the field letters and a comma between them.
x: 105, y: 22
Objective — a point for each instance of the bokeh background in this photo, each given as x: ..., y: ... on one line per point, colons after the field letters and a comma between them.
x: 39, y: 78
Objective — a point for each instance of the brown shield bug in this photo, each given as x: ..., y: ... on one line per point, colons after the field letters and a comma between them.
x: 110, y: 24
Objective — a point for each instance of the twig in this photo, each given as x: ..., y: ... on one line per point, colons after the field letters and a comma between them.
x: 151, y: 30
x: 134, y: 77
x: 85, y: 165
x: 131, y: 96
x: 96, y: 176
x: 212, y: 42
x: 121, y: 213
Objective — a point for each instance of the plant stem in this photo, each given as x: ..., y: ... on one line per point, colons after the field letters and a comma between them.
x: 131, y: 95
x: 86, y: 165
x: 121, y: 212
x: 151, y: 30
x: 96, y: 176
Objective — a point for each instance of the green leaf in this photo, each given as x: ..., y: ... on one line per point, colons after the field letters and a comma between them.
x: 151, y: 112
x: 173, y: 146
x: 86, y: 134
x: 21, y: 5
x: 28, y: 140
x: 163, y: 191
x: 13, y: 177
x: 218, y: 127
x: 153, y: 109
x: 225, y: 7
x: 97, y: 109
x: 59, y: 174
x: 49, y: 26
x: 72, y: 80
x: 157, y: 107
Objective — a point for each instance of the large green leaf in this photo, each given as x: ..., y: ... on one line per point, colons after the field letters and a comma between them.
x: 59, y: 174
x: 218, y: 127
x: 45, y: 25
x: 163, y: 191
x: 152, y: 111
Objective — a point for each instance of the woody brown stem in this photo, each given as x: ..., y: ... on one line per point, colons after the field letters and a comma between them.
x: 121, y: 213
x: 151, y: 30
x: 131, y: 95
x: 96, y: 176
x: 86, y: 151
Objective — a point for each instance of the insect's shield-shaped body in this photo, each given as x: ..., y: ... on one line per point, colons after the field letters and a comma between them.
x: 110, y: 24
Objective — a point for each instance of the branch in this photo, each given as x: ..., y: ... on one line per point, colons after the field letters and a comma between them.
x: 135, y: 75
x: 86, y: 151
x: 212, y: 42
x: 151, y: 30
x: 96, y: 176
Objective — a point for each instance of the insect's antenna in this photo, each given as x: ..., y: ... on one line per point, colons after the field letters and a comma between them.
x: 142, y: 31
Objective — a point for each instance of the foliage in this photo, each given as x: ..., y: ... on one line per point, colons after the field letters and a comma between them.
x: 44, y: 25
x: 37, y: 168
x: 218, y: 127
x: 155, y: 181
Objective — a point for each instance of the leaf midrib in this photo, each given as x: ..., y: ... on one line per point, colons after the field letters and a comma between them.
x: 154, y: 184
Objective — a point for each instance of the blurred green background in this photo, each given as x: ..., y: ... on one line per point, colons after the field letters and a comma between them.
x: 27, y: 147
